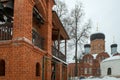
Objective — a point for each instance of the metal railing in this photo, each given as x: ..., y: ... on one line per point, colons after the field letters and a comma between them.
x: 37, y: 40
x: 58, y: 54
x: 6, y: 31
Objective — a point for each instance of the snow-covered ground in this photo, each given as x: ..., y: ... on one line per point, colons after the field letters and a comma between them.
x: 104, y: 78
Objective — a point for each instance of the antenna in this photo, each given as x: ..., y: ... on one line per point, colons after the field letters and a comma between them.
x: 97, y: 27
x: 113, y: 39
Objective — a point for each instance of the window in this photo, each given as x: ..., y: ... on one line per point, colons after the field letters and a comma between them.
x: 90, y: 70
x: 37, y: 40
x: 88, y: 60
x: 93, y: 47
x: 2, y: 68
x: 98, y: 45
x: 99, y: 58
x: 109, y: 71
x: 98, y: 70
x: 85, y: 71
x: 53, y: 71
x: 37, y: 69
x: 85, y: 60
x: 81, y: 69
x: 91, y: 60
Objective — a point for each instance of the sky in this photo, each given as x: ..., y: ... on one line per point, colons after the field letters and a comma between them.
x: 105, y: 14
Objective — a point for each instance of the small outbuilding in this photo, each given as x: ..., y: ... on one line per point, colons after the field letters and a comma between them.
x: 110, y: 66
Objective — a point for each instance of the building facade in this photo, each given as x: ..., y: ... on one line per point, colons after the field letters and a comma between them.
x: 89, y: 64
x: 28, y: 30
x: 110, y: 66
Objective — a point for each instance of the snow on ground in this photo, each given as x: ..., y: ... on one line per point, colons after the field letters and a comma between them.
x: 105, y: 78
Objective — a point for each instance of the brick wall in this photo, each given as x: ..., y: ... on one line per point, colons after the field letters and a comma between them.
x: 22, y: 19
x: 19, y: 54
x: 86, y: 62
x: 20, y: 60
x: 97, y: 46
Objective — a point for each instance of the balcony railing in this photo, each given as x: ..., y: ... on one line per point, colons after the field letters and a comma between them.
x: 6, y: 31
x: 58, y: 54
x: 37, y: 40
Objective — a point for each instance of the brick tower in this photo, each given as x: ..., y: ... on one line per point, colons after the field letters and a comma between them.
x: 97, y: 43
x: 28, y: 29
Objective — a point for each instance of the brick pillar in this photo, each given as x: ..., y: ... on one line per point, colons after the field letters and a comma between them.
x: 47, y: 33
x: 47, y: 68
x: 66, y: 73
x: 23, y: 19
x: 48, y: 28
x: 59, y: 71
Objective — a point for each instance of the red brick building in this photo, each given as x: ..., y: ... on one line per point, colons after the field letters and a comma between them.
x: 89, y: 64
x: 28, y: 30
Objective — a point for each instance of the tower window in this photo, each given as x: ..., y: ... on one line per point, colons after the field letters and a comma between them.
x: 2, y: 68
x: 37, y: 69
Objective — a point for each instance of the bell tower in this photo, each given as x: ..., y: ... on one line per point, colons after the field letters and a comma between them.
x: 97, y: 43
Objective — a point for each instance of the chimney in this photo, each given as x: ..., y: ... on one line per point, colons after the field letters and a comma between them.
x: 87, y: 48
x: 113, y: 49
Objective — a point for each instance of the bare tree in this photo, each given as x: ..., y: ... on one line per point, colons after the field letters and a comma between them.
x: 61, y: 9
x: 73, y: 23
x: 79, y: 33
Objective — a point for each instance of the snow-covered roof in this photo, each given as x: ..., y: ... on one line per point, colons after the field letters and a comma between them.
x: 104, y: 78
x: 94, y: 55
x: 111, y: 58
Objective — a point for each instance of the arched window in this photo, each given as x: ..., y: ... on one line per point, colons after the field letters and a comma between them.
x: 88, y: 60
x: 2, y: 68
x: 85, y: 70
x: 37, y: 69
x: 109, y: 71
x: 85, y: 60
x: 91, y: 60
x: 90, y: 70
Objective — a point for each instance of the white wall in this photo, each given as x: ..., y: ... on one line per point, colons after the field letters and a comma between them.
x: 113, y: 64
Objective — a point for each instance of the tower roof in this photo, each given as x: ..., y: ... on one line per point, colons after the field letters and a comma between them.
x: 87, y: 45
x: 97, y: 36
x: 113, y: 45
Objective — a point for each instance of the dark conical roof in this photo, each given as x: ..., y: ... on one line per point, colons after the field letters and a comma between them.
x: 87, y: 45
x: 113, y: 45
x: 97, y: 36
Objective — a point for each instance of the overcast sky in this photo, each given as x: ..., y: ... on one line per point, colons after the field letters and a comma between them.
x: 105, y: 13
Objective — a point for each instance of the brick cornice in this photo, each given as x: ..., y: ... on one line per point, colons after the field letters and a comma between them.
x: 20, y: 41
